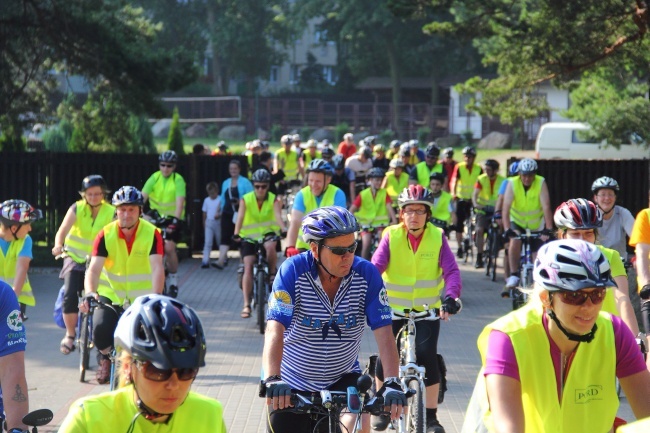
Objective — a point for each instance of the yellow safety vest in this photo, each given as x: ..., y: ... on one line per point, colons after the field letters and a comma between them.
x: 423, y: 172
x: 639, y: 283
x: 258, y: 222
x: 310, y: 204
x: 489, y: 193
x: 640, y: 426
x: 615, y: 263
x: 163, y: 195
x: 466, y: 180
x: 588, y: 402
x: 129, y: 274
x: 82, y: 234
x: 115, y: 412
x: 526, y: 210
x: 413, y: 279
x: 8, y: 264
x: 395, y: 185
x: 440, y: 210
x: 290, y: 161
x: 307, y: 158
x: 373, y: 210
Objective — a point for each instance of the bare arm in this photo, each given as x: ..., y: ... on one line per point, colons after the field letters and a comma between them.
x: 22, y: 266
x: 272, y: 357
x: 240, y: 216
x: 91, y: 280
x: 64, y: 229
x: 145, y: 196
x: 637, y: 391
x: 624, y: 305
x: 353, y: 208
x: 545, y: 201
x: 157, y: 273
x: 475, y: 194
x: 180, y: 204
x: 353, y: 194
x: 508, y: 198
x: 205, y: 216
x: 14, y: 389
x: 391, y: 213
x: 643, y: 263
x: 387, y: 350
x: 294, y: 227
x: 504, y: 395
x: 277, y: 212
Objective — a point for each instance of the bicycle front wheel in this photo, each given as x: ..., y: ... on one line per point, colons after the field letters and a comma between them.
x: 260, y: 292
x: 416, y: 410
x: 84, y: 346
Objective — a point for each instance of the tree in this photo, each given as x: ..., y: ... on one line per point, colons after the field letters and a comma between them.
x: 175, y: 137
x: 600, y: 44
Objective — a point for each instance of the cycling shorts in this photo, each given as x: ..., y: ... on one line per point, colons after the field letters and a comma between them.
x: 463, y: 211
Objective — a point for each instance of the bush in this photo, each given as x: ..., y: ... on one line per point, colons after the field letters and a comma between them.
x: 276, y: 132
x: 385, y: 137
x: 175, y: 137
x: 467, y: 137
x: 141, y: 135
x: 423, y: 135
x: 340, y: 130
x: 55, y: 140
x: 11, y: 140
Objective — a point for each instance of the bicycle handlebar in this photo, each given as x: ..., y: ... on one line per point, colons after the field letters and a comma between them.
x: 529, y: 235
x: 427, y: 314
x: 371, y: 229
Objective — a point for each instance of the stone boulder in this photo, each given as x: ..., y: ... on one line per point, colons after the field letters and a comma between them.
x: 496, y: 140
x: 323, y: 134
x: 452, y: 140
x: 196, y: 130
x: 161, y: 128
x: 232, y: 132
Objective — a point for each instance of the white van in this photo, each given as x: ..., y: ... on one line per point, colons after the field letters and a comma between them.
x: 562, y: 140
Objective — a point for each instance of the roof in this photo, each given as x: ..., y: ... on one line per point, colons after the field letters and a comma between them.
x: 380, y: 83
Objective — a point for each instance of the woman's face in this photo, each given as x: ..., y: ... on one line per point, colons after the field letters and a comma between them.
x: 94, y: 195
x: 233, y: 170
x: 587, y: 235
x: 578, y: 319
x: 162, y: 397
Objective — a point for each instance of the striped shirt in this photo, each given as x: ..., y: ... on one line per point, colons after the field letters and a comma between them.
x: 321, y: 339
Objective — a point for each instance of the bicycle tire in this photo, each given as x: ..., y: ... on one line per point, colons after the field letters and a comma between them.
x: 115, y: 374
x: 84, y: 347
x: 260, y: 292
x: 415, y: 421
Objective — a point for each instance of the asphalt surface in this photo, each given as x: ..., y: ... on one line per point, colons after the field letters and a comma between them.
x: 235, y: 347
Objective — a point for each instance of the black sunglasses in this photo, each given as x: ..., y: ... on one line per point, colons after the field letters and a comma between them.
x: 339, y: 251
x: 157, y: 375
x: 264, y: 186
x: 166, y: 165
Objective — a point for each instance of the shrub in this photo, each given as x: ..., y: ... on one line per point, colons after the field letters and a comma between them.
x: 466, y: 137
x: 175, y: 137
x: 385, y: 136
x: 423, y: 135
x: 141, y: 135
x: 305, y: 132
x: 340, y: 130
x: 55, y: 140
x: 11, y: 140
x: 276, y: 132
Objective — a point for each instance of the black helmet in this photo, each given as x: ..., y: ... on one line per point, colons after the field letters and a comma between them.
x: 432, y: 150
x: 469, y: 151
x: 168, y: 156
x: 327, y: 152
x: 437, y: 175
x: 604, y: 182
x: 261, y: 176
x: 366, y: 151
x: 370, y: 140
x: 163, y: 331
x: 492, y: 163
x: 338, y: 161
x: 375, y: 172
x: 222, y: 145
x: 93, y: 180
x: 319, y: 165
x: 127, y: 195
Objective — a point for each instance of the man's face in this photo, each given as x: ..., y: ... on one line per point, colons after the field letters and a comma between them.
x: 431, y: 160
x: 469, y: 159
x: 166, y: 168
x: 527, y: 179
x: 127, y: 214
x: 605, y: 199
x: 317, y: 183
x: 260, y: 190
x: 491, y: 173
x: 337, y: 265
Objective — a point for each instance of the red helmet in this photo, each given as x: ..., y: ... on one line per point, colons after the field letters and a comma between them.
x: 578, y: 213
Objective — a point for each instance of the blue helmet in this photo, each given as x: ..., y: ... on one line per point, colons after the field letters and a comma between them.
x: 128, y: 195
x: 328, y: 222
x: 319, y: 165
x: 513, y: 169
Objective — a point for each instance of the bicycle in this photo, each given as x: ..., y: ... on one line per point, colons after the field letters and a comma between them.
x: 35, y: 419
x: 292, y: 188
x: 326, y: 407
x: 167, y: 225
x: 519, y: 294
x: 469, y: 231
x: 261, y: 280
x: 492, y: 247
x: 374, y: 231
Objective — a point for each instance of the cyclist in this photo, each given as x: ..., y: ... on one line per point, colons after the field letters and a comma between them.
x: 128, y: 252
x: 640, y: 240
x: 317, y: 193
x: 484, y: 199
x: 222, y: 149
x: 617, y: 221
x: 416, y: 155
x: 347, y: 148
x: 320, y: 304
x: 16, y: 217
x: 82, y: 222
x: 448, y: 162
x: 166, y: 191
x: 286, y: 159
x: 343, y: 178
x: 259, y: 214
x: 405, y: 156
x: 360, y: 164
x: 266, y: 164
x: 380, y: 160
x: 161, y: 347
x: 372, y: 207
x: 512, y: 173
x: 418, y: 268
x: 462, y: 186
x: 254, y: 149
x: 310, y: 153
x: 396, y: 180
x: 422, y: 171
x: 393, y: 151
x: 327, y: 153
x: 443, y: 214
x: 582, y: 219
x: 550, y: 366
x: 526, y: 205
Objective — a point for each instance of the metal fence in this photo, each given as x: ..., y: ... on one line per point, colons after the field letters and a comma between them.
x: 50, y: 181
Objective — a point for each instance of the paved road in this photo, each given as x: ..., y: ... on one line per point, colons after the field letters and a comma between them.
x: 235, y: 346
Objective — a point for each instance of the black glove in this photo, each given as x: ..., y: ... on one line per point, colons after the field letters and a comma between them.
x: 547, y: 232
x: 450, y: 305
x: 497, y: 215
x: 236, y: 238
x: 392, y: 392
x: 645, y: 292
x: 510, y: 233
x: 277, y: 388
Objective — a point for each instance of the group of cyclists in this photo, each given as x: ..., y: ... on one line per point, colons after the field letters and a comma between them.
x: 579, y: 319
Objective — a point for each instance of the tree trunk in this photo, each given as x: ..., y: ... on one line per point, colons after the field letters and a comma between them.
x: 396, y: 83
x: 216, y: 64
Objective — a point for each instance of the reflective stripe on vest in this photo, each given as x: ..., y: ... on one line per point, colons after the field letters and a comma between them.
x: 310, y: 204
x: 8, y: 265
x: 588, y: 401
x: 466, y: 180
x: 526, y: 210
x: 373, y: 209
x: 489, y: 192
x: 129, y: 274
x: 163, y: 195
x: 423, y: 172
x: 82, y: 234
x: 440, y: 210
x: 288, y: 163
x: 395, y: 186
x: 258, y: 222
x: 413, y: 279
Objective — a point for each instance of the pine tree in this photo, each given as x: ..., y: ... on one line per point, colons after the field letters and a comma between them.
x: 175, y: 137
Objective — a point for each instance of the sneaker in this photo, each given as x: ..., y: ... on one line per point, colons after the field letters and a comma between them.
x: 511, y: 283
x: 479, y: 262
x: 172, y: 279
x: 217, y: 265
x: 380, y: 422
x: 103, y: 374
x: 459, y: 253
x: 205, y: 266
x: 433, y: 426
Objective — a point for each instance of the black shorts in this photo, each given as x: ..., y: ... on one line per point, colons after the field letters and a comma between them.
x: 483, y: 220
x: 463, y: 211
x: 104, y: 324
x: 535, y: 244
x: 289, y: 422
x: 74, y: 287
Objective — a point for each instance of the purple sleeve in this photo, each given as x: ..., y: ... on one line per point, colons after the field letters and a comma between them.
x: 629, y: 359
x: 450, y: 271
x: 382, y: 255
x: 500, y: 357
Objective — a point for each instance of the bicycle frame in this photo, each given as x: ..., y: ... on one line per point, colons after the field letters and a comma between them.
x: 261, y: 289
x: 526, y: 265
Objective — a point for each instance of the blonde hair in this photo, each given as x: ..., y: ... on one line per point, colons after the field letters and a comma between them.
x: 122, y: 361
x: 534, y: 295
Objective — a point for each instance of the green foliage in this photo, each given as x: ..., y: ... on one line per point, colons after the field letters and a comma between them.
x: 341, y: 129
x: 276, y: 132
x: 311, y: 77
x: 175, y: 137
x: 55, y: 140
x: 305, y: 132
x: 423, y: 134
x: 466, y: 137
x: 141, y: 135
x: 386, y: 136
x: 11, y: 140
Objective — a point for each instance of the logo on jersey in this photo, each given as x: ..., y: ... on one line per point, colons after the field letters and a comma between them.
x: 15, y: 321
x: 383, y: 297
x: 280, y: 302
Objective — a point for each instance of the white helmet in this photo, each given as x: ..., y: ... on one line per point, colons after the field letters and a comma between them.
x: 604, y: 182
x: 527, y: 166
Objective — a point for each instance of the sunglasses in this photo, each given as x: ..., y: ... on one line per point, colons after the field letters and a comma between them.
x: 166, y: 165
x: 339, y: 251
x: 157, y: 375
x: 578, y: 298
x: 261, y: 186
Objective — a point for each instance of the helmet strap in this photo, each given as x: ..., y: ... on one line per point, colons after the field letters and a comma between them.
x: 319, y: 263
x: 586, y: 338
x: 145, y: 410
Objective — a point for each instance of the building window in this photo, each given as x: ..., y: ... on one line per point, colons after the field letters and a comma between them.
x: 294, y: 74
x: 320, y: 36
x: 464, y: 99
x: 273, y: 77
x: 329, y: 75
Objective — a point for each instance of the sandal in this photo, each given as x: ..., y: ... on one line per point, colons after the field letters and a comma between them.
x: 64, y: 348
x: 246, y: 312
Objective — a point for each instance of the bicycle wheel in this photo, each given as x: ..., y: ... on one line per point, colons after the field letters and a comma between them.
x: 115, y: 377
x: 416, y: 410
x: 84, y: 346
x: 260, y: 293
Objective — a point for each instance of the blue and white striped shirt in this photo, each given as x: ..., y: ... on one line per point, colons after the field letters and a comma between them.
x: 321, y: 339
